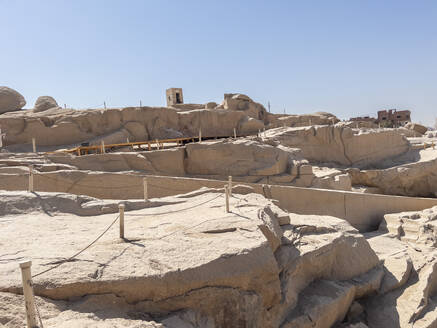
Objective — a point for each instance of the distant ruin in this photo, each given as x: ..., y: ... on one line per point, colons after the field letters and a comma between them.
x: 389, y: 118
x: 174, y: 96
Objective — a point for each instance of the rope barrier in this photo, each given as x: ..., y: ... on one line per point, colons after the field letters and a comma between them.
x: 78, y: 253
x: 169, y: 189
x: 176, y: 211
x: 39, y: 315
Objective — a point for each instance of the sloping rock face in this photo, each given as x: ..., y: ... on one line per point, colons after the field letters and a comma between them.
x: 418, y: 179
x: 342, y: 145
x: 187, y: 263
x: 10, y: 100
x: 44, y: 103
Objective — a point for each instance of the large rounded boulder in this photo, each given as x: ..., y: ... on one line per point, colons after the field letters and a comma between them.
x: 10, y: 100
x: 43, y: 103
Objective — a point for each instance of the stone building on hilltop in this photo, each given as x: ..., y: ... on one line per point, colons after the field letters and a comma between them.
x: 174, y: 96
x: 394, y: 117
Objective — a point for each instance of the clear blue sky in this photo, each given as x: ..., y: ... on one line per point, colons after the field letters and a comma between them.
x: 345, y: 57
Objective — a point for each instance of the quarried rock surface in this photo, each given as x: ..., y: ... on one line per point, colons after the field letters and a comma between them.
x: 185, y: 262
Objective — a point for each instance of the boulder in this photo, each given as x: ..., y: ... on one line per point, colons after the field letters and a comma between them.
x: 240, y: 102
x: 417, y: 127
x: 43, y: 103
x: 10, y: 100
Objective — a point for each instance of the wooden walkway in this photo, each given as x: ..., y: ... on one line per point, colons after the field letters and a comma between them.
x: 135, y: 146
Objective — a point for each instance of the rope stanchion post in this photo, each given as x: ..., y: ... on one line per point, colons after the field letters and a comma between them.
x: 146, y: 192
x: 235, y: 133
x: 157, y: 144
x: 121, y: 213
x: 230, y: 185
x: 227, y: 198
x: 29, y: 300
x: 200, y: 135
x: 103, y: 146
x: 30, y: 186
x: 34, y: 145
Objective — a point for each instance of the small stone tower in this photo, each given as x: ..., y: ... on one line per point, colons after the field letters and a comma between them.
x: 174, y: 96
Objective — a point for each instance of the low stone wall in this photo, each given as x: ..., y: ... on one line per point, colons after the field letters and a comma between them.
x: 363, y: 211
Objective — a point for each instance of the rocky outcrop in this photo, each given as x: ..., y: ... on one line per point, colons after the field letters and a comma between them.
x: 408, y: 293
x: 44, y: 103
x: 341, y: 145
x: 10, y: 100
x: 240, y: 102
x: 60, y: 127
